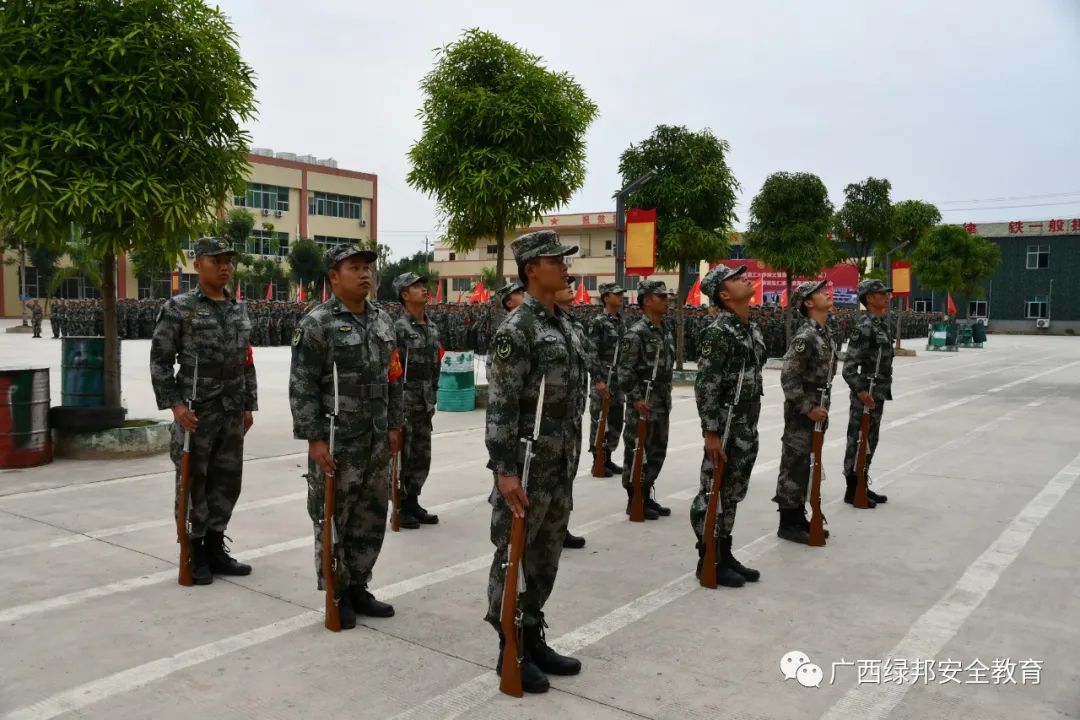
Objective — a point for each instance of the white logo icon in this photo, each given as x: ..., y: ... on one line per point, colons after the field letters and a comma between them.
x: 796, y: 665
x: 809, y: 675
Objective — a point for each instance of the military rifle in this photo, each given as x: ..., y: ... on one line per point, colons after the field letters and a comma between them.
x: 514, y: 581
x: 183, y: 506
x: 637, y: 497
x: 861, y: 500
x: 817, y: 520
x: 395, y: 480
x: 712, y: 527
x: 329, y: 527
x: 599, y: 467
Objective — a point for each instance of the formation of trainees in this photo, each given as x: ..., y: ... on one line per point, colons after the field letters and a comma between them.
x: 362, y: 389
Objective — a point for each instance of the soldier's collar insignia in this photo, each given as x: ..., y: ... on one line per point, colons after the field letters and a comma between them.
x: 297, y: 336
x: 854, y: 333
x: 706, y: 348
x: 344, y: 328
x: 799, y: 345
x: 203, y: 312
x: 503, y: 348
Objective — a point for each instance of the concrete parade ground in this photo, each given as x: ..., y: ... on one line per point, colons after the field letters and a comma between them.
x: 956, y: 599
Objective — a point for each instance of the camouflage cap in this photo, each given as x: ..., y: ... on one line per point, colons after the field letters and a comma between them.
x: 714, y: 279
x: 405, y: 280
x: 872, y: 286
x: 614, y: 288
x: 213, y: 246
x: 337, y: 253
x: 506, y: 291
x: 653, y: 287
x: 804, y: 291
x: 543, y: 243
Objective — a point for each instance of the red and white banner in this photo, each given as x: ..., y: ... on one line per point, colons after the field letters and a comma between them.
x: 843, y: 280
x: 640, y: 242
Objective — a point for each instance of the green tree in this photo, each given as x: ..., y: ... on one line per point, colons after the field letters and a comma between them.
x: 865, y: 220
x: 694, y: 197
x: 44, y: 254
x: 417, y: 263
x: 788, y: 228
x: 948, y: 258
x: 150, y: 262
x: 124, y: 118
x: 503, y: 139
x: 911, y: 219
x: 306, y: 264
x: 83, y: 261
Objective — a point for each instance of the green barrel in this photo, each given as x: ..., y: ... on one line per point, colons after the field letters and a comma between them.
x: 457, y: 383
x: 82, y: 379
x: 25, y: 440
x: 938, y: 336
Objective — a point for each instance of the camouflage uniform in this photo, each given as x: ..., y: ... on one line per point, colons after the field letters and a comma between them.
x: 216, y: 333
x: 369, y: 406
x: 729, y: 347
x: 641, y: 345
x: 606, y: 333
x: 865, y: 339
x: 418, y: 346
x: 56, y: 318
x: 36, y: 316
x: 533, y: 343
x: 809, y: 366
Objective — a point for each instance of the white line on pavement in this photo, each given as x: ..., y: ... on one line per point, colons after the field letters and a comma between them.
x: 938, y: 625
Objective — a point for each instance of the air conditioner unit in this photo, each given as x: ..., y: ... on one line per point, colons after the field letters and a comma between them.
x: 277, y: 213
x: 1042, y: 323
x: 191, y: 253
x: 363, y: 222
x: 265, y: 212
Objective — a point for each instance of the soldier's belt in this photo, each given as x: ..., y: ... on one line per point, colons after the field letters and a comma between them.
x: 380, y: 391
x: 216, y: 371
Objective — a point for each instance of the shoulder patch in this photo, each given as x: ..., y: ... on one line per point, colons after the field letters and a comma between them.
x: 706, y: 348
x: 854, y: 334
x: 503, y: 347
x: 297, y: 336
x: 344, y: 328
x: 799, y: 345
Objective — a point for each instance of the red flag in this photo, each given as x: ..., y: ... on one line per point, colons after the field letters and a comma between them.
x: 438, y: 294
x: 694, y: 296
x: 477, y: 293
x: 759, y: 292
x: 324, y: 291
x: 442, y: 352
x: 950, y: 306
x: 238, y: 296
x: 459, y: 296
x: 581, y: 296
x: 783, y: 299
x: 270, y: 291
x: 300, y: 293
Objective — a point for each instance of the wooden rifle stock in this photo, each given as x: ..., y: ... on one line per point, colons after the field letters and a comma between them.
x: 599, y: 467
x: 637, y: 498
x: 861, y: 500
x: 333, y: 617
x: 395, y: 498
x: 817, y: 520
x: 509, y: 619
x: 182, y: 535
x: 708, y: 536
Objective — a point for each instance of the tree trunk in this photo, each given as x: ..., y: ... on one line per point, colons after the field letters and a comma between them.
x: 22, y: 278
x: 787, y: 310
x: 680, y: 315
x: 500, y: 256
x: 112, y: 340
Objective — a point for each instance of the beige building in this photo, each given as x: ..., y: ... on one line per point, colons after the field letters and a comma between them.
x: 594, y: 264
x: 299, y: 196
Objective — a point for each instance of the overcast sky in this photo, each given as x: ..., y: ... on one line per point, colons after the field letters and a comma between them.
x: 971, y: 104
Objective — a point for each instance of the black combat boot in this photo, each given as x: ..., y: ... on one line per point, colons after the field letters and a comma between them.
x: 574, y: 542
x: 725, y: 576
x: 364, y: 603
x: 650, y: 513
x: 533, y: 679
x: 422, y: 515
x: 849, y: 493
x: 750, y: 574
x: 221, y: 563
x: 613, y: 468
x: 345, y: 610
x: 406, y: 519
x: 662, y: 511
x: 879, y: 499
x: 200, y: 564
x: 549, y: 661
x: 791, y: 526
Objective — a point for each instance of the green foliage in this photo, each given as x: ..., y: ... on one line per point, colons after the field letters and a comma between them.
x: 866, y: 219
x: 491, y: 279
x: 788, y: 227
x: 948, y: 258
x: 263, y: 271
x: 84, y: 260
x: 911, y: 219
x: 414, y: 263
x: 306, y: 263
x: 150, y: 262
x: 503, y: 138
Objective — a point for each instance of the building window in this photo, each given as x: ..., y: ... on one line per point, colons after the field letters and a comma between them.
x: 921, y: 306
x: 329, y: 241
x: 33, y: 288
x: 1038, y: 257
x: 1036, y: 308
x: 334, y: 205
x: 462, y: 284
x: 607, y: 245
x: 453, y: 256
x: 265, y: 242
x: 266, y: 197
x: 589, y: 281
x: 977, y: 309
x: 492, y: 249
x: 158, y: 287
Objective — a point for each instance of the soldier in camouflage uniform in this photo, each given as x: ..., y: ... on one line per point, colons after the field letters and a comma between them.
x: 536, y: 341
x: 606, y: 331
x: 36, y: 316
x: 205, y: 326
x: 809, y: 366
x: 647, y: 342
x: 358, y: 337
x: 417, y: 341
x: 56, y: 318
x: 731, y: 347
x: 565, y: 299
x: 870, y: 336
x: 508, y: 297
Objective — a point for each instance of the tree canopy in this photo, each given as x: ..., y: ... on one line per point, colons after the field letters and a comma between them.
x: 949, y: 258
x: 306, y: 263
x: 865, y: 219
x: 911, y: 219
x: 503, y: 139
